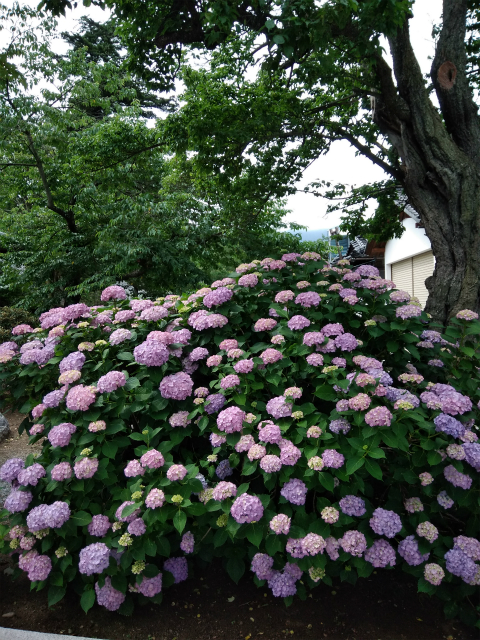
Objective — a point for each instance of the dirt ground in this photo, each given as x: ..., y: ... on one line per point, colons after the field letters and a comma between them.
x: 385, y: 606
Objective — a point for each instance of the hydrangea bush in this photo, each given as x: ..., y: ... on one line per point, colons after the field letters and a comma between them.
x: 298, y: 420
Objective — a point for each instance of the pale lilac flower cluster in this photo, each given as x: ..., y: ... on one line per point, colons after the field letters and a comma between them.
x: 137, y: 527
x: 270, y: 356
x: 53, y: 399
x: 155, y: 499
x: 154, y: 314
x: 460, y: 564
x: 381, y: 554
x: 308, y: 299
x: 114, y: 292
x: 176, y: 472
x: 98, y: 425
x: 108, y: 596
x: 271, y: 463
x: 378, y: 417
x: 280, y: 524
x: 134, y: 469
x: 199, y: 353
x: 178, y: 567
x: 18, y: 501
x: 247, y: 508
x: 457, y: 478
x: 297, y: 323
x: 444, y: 500
x: 111, y: 381
x: 400, y: 296
x: 466, y: 314
x: 80, y: 398
x: 360, y: 402
x: 262, y: 566
x: 433, y: 573
x: 61, y: 472
x: 248, y: 280
x: 179, y: 419
x: 61, y: 434
x: 214, y: 402
x: 472, y: 454
x: 289, y: 454
x: 74, y: 361
x: 340, y: 425
x: 125, y: 315
x: 224, y: 490
x: 270, y: 433
x: 244, y: 366
x: 230, y: 420
x: 408, y: 311
x: 119, y: 335
x: 230, y: 382
x: 428, y: 531
x: 283, y: 297
x: 151, y: 353
x: 346, y: 342
x: 11, y: 468
x: 217, y: 297
x: 279, y: 408
x: 352, y: 506
x: 294, y: 491
x: 315, y: 360
x: 187, y: 545
x: 244, y: 444
x: 330, y: 515
x: 177, y: 386
x: 47, y: 516
x: 353, y: 542
x: 217, y: 440
x: 85, y: 468
x: 256, y: 452
x: 385, y: 523
x: 332, y: 458
x: 99, y: 526
x: 413, y: 505
x: 131, y: 517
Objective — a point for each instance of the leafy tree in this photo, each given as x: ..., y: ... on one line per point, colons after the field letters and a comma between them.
x: 90, y: 191
x: 329, y: 57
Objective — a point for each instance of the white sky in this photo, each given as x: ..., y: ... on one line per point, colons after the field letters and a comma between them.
x: 340, y: 165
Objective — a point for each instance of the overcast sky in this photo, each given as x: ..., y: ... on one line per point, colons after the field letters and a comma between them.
x: 340, y: 164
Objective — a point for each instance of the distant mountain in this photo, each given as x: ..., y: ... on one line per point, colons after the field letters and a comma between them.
x: 314, y: 234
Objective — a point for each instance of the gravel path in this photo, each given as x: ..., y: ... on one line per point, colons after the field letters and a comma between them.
x: 14, y: 446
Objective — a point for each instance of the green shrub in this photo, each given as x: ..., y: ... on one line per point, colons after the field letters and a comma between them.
x: 11, y: 317
x: 370, y: 457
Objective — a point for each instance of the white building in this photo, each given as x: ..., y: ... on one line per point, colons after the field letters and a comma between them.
x: 409, y: 260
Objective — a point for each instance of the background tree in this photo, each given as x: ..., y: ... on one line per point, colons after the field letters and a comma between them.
x: 90, y: 191
x: 332, y: 50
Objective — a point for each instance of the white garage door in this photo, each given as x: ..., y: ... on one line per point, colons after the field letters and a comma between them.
x: 410, y: 275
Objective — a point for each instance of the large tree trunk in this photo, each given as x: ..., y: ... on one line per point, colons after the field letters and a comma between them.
x: 441, y: 159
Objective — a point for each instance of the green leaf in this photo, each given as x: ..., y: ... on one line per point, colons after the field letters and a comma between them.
x: 468, y: 351
x: 273, y: 545
x: 373, y: 468
x: 326, y: 480
x: 433, y: 458
x: 353, y: 464
x: 235, y: 568
x: 325, y: 392
x: 377, y: 453
x: 392, y: 346
x: 125, y: 355
x: 240, y: 399
x: 132, y: 383
x: 179, y: 521
x: 129, y: 509
x: 255, y: 535
x: 110, y: 449
x: 81, y: 518
x: 55, y: 594
x: 150, y: 548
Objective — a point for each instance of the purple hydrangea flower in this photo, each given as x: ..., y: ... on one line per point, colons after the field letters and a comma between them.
x: 80, y: 398
x: 353, y: 542
x: 449, y: 425
x: 457, y: 478
x: 111, y: 381
x: 74, y: 361
x: 177, y: 386
x: 176, y: 472
x: 340, y: 425
x: 385, y: 523
x: 346, y: 342
x: 187, y: 545
x: 262, y: 566
x: 53, y: 399
x: 295, y: 491
x: 119, y: 336
x: 134, y: 469
x: 332, y: 458
x: 247, y: 508
x: 94, y: 558
x: 297, y: 323
x: 107, y: 596
x: 132, y: 516
x: 230, y: 382
x: 61, y: 471
x: 178, y: 567
x: 279, y: 408
x: 230, y: 420
x: 149, y: 587
x: 152, y: 459
x: 137, y: 527
x: 214, y: 402
x: 99, y: 526
x: 61, y: 434
x: 223, y: 470
x: 381, y: 554
x: 17, y: 501
x: 85, y: 468
x: 11, y: 468
x: 31, y: 475
x: 352, y: 506
x: 408, y: 550
x: 155, y: 499
x: 282, y: 585
x: 459, y: 564
x: 39, y: 568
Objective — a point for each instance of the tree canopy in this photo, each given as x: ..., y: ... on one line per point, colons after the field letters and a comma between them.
x: 323, y: 66
x: 90, y: 188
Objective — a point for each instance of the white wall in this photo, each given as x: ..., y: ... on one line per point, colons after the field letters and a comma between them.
x: 412, y: 242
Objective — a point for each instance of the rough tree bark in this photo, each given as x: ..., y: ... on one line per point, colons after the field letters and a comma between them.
x: 441, y: 159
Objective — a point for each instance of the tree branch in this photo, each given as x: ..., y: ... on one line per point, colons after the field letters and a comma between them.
x: 365, y: 151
